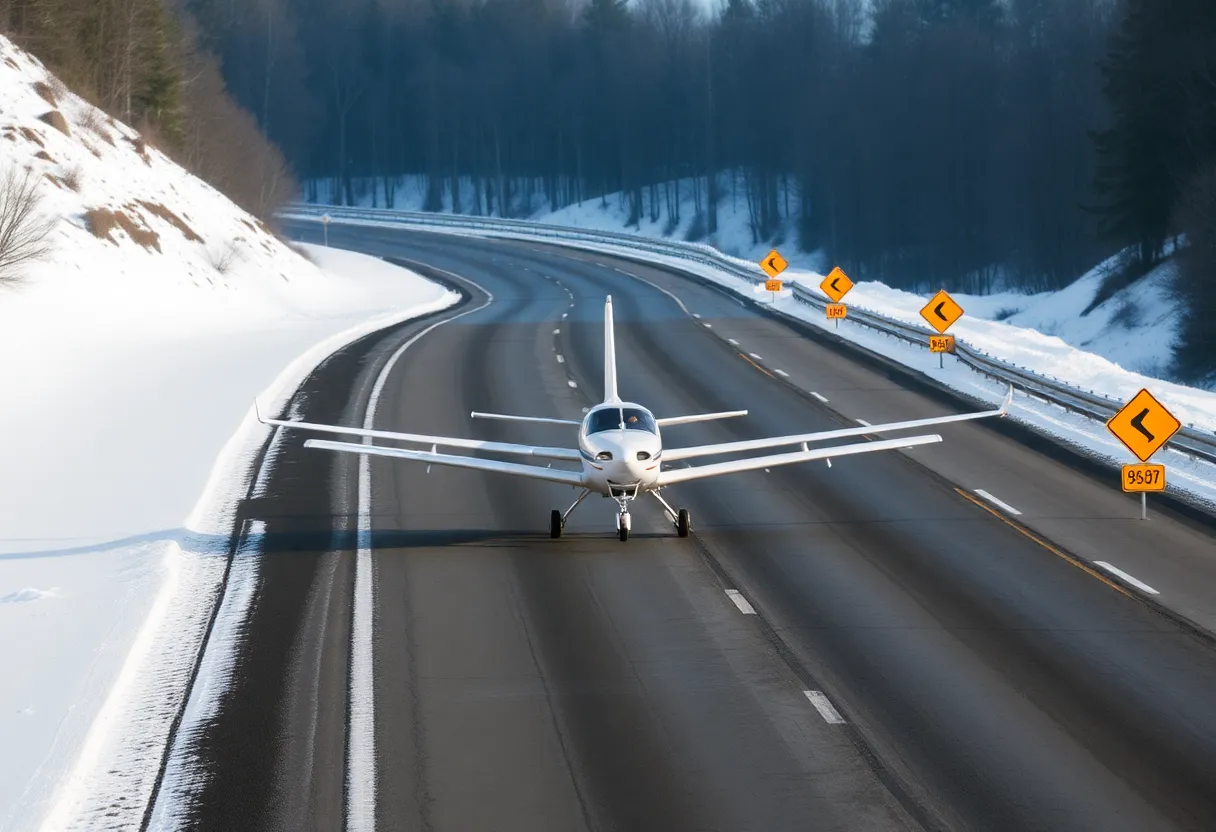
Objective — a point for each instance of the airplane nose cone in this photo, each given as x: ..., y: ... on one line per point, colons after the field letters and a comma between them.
x: 634, y: 454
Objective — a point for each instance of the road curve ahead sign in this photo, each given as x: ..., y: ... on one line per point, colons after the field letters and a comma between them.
x: 773, y: 263
x: 941, y: 312
x: 1143, y: 425
x: 836, y: 285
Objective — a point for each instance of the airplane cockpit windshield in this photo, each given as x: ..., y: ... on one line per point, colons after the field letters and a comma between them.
x: 612, y: 418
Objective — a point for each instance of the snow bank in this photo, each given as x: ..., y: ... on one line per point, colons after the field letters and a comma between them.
x: 129, y: 369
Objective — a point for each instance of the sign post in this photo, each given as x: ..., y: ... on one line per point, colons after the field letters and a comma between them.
x: 773, y: 265
x: 836, y: 285
x: 941, y: 312
x: 325, y: 225
x: 1143, y: 426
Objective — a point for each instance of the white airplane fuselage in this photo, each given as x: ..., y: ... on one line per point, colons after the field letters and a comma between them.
x: 621, y: 449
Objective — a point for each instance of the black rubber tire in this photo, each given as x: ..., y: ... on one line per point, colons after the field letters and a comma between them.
x: 555, y: 524
x: 683, y: 522
x: 623, y: 533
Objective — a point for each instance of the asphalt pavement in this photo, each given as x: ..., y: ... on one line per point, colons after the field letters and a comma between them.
x: 984, y: 675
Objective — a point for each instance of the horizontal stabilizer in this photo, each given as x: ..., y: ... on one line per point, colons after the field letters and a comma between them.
x: 531, y: 471
x: 700, y: 417
x: 755, y: 463
x: 537, y: 419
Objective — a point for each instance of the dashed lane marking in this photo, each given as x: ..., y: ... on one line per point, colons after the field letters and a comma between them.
x: 819, y: 397
x: 742, y: 603
x: 1137, y: 583
x: 830, y: 714
x: 997, y: 502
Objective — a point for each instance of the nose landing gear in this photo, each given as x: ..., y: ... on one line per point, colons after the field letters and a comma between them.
x: 623, y: 521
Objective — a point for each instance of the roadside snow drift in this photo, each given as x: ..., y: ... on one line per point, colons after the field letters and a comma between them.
x: 131, y: 358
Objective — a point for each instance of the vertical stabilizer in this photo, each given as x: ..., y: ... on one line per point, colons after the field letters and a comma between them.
x: 609, y: 355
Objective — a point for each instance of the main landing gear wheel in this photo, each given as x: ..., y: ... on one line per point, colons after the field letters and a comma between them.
x: 555, y: 524
x: 623, y: 533
x: 683, y: 521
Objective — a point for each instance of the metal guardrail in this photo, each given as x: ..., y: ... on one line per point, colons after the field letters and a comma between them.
x: 1193, y: 441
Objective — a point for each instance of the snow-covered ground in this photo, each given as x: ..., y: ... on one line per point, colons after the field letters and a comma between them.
x: 129, y: 369
x: 1136, y: 329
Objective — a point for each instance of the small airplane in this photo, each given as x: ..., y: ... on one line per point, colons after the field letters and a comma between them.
x: 620, y: 448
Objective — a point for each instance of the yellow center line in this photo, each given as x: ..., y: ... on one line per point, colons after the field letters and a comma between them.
x: 1055, y: 551
x: 757, y: 366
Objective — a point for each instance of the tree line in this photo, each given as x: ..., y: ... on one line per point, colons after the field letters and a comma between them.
x: 969, y: 144
x: 142, y: 62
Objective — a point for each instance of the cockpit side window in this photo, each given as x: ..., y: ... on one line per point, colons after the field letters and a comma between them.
x: 638, y: 419
x: 601, y: 420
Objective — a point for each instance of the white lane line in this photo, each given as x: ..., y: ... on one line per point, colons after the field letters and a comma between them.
x: 557, y: 332
x: 742, y: 603
x: 732, y: 341
x: 862, y: 422
x: 561, y: 359
x: 361, y: 701
x: 564, y: 314
x: 695, y: 315
x: 998, y: 503
x: 572, y: 382
x: 709, y: 326
x: 782, y: 373
x: 1114, y: 570
x: 753, y: 355
x: 830, y: 715
x: 821, y: 398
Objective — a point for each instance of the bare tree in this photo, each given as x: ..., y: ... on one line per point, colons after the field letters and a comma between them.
x: 25, y: 232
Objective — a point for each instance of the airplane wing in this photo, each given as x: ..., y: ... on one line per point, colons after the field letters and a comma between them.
x: 674, y: 454
x: 570, y: 454
x: 532, y: 471
x: 718, y: 468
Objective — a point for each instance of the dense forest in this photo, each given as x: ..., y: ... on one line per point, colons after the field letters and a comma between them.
x: 141, y: 61
x: 964, y: 143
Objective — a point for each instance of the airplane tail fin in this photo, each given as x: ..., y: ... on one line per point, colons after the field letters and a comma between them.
x: 610, y: 394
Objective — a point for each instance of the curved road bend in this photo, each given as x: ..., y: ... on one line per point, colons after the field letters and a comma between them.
x: 526, y: 683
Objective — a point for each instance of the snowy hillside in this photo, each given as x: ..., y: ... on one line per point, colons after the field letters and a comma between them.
x: 129, y: 362
x: 1136, y: 328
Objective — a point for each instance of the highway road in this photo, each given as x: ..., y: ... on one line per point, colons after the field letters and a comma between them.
x: 984, y: 676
